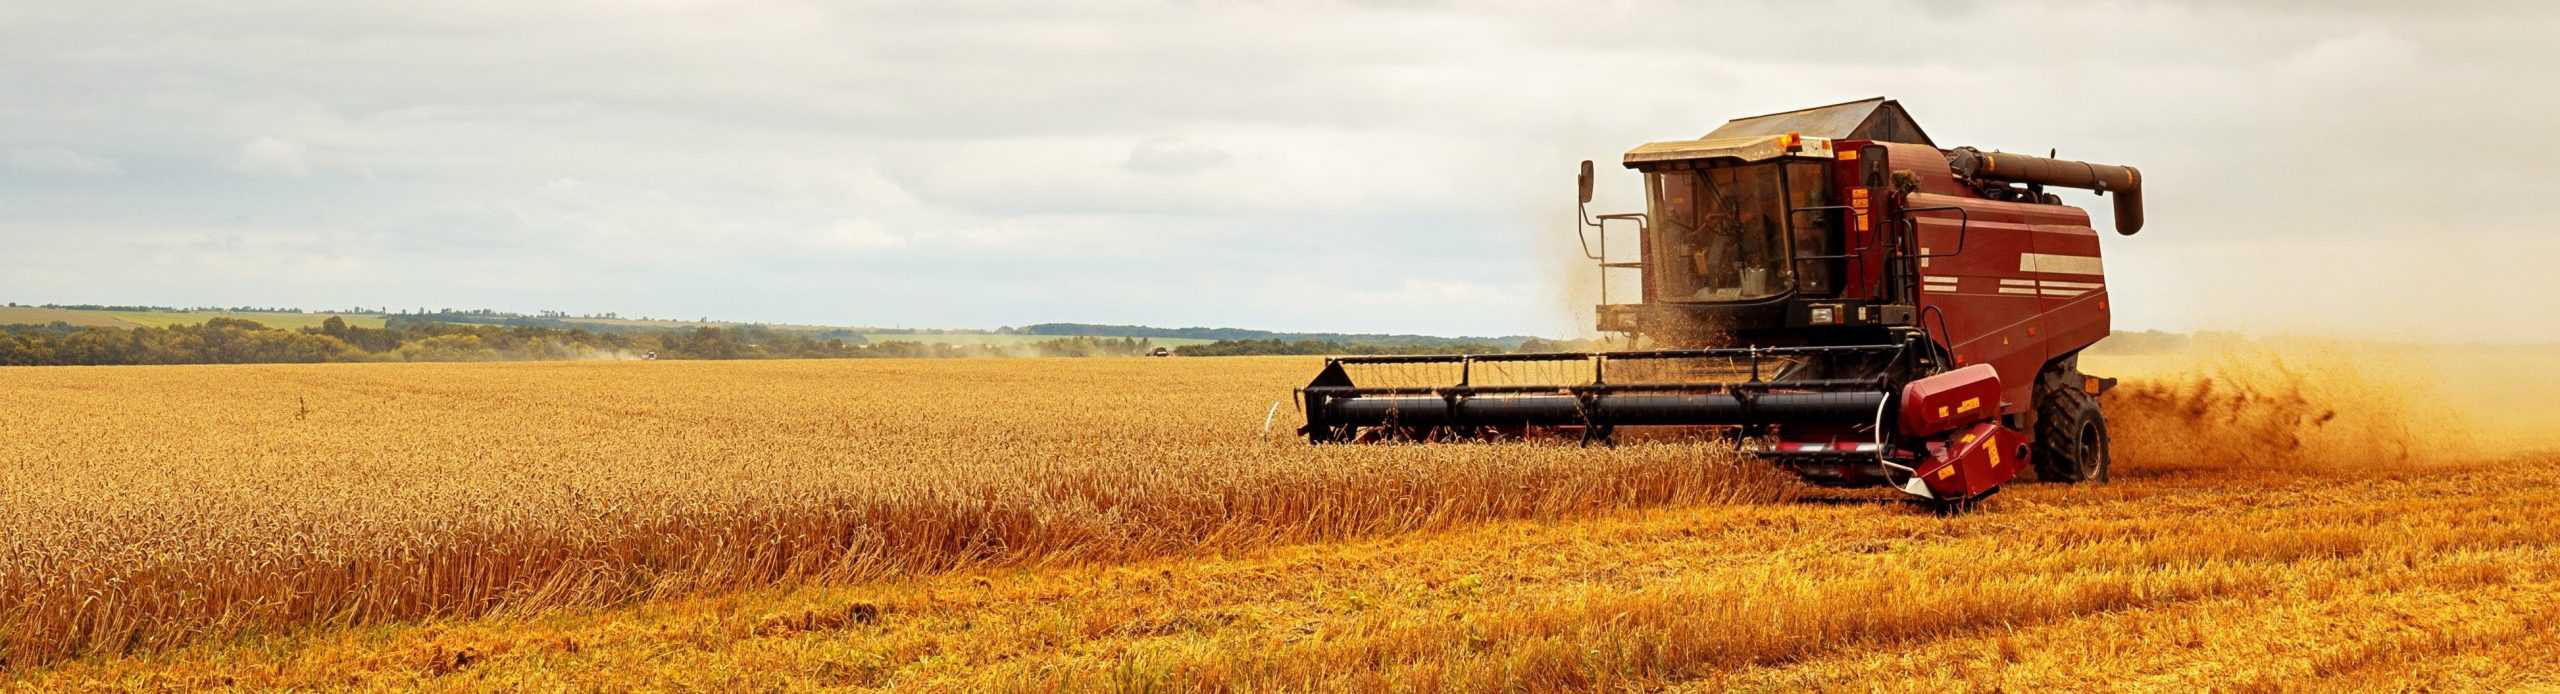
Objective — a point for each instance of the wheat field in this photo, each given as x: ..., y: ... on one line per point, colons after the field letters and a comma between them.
x: 150, y: 506
x: 2278, y: 520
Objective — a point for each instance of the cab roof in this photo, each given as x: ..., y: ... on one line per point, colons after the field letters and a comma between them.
x: 1746, y: 148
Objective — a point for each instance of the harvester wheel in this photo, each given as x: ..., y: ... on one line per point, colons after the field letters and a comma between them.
x: 2071, y: 434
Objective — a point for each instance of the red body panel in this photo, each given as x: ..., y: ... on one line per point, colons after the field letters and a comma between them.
x: 2008, y: 284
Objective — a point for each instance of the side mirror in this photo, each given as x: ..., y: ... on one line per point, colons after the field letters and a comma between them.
x: 1586, y: 181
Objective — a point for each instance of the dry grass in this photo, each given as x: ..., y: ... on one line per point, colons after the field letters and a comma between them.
x: 1119, y: 525
x: 2215, y: 579
x: 147, y: 507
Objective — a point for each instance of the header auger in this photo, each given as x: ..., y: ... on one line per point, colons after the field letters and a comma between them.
x: 1848, y: 300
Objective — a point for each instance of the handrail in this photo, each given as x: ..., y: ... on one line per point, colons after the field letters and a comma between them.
x: 1601, y: 223
x: 1964, y: 227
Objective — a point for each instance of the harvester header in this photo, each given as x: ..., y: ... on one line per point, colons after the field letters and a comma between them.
x: 1828, y: 286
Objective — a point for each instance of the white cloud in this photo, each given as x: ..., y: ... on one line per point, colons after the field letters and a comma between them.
x: 1172, y: 156
x: 2354, y: 56
x: 1303, y: 167
x: 271, y: 156
x: 859, y: 235
x: 1433, y: 295
x: 60, y: 161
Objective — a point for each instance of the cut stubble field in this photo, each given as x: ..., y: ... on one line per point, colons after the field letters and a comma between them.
x: 1118, y: 524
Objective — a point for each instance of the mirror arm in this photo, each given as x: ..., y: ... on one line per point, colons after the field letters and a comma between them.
x: 1583, y: 232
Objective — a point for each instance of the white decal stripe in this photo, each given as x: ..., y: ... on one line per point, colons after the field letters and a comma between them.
x: 2060, y: 264
x: 2064, y: 292
x: 1938, y: 278
x: 2018, y: 290
x: 2017, y: 283
x: 2072, y: 285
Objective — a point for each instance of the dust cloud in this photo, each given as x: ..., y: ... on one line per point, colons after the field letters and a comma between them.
x: 1572, y: 279
x: 2329, y: 404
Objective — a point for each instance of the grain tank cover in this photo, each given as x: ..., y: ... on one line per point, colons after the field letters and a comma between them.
x: 1879, y: 119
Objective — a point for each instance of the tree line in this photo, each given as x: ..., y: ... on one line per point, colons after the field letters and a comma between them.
x: 239, y: 341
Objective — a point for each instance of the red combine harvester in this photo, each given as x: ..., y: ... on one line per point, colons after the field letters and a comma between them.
x: 1850, y: 301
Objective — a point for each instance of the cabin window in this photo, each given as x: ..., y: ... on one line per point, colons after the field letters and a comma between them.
x: 1723, y: 233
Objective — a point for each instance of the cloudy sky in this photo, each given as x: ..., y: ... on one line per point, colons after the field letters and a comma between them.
x: 1397, y: 167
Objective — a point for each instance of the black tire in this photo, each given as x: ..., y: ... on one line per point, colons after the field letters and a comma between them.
x: 2071, y: 434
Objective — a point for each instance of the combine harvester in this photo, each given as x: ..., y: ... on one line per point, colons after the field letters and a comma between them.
x: 1854, y: 303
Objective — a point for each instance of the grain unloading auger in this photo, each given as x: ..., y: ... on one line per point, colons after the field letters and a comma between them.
x: 1848, y: 300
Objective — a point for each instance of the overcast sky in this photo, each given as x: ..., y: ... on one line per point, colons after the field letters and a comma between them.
x: 1399, y: 167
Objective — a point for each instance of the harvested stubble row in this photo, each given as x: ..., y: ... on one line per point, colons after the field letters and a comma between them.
x: 148, y: 506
